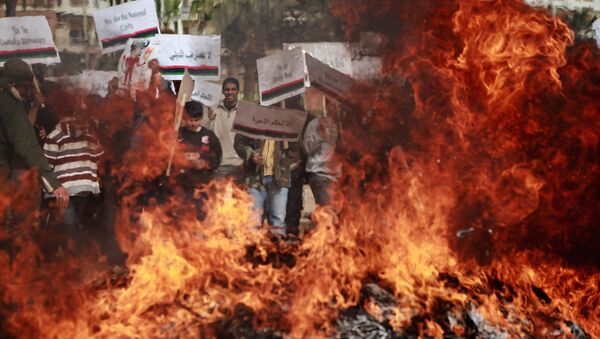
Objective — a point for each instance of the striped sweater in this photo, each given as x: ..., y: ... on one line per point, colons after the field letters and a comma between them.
x: 73, y: 153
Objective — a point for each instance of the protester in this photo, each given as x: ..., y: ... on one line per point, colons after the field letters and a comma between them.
x: 17, y: 137
x: 73, y: 152
x: 220, y: 121
x: 201, y: 151
x: 297, y: 165
x: 322, y: 171
x: 267, y: 174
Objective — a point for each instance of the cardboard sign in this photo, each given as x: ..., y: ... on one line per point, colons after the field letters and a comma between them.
x: 199, y: 54
x: 134, y: 65
x: 116, y: 24
x: 280, y: 76
x: 28, y: 38
x: 272, y: 123
x: 336, y: 55
x: 327, y: 79
x: 185, y: 92
x: 208, y: 93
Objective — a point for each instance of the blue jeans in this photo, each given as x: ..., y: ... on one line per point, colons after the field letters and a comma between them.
x: 276, y: 198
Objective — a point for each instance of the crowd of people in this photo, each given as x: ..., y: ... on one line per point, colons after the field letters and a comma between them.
x: 78, y: 143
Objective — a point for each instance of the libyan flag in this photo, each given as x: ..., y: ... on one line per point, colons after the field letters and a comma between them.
x: 33, y: 53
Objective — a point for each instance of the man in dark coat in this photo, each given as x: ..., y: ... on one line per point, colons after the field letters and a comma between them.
x: 17, y: 137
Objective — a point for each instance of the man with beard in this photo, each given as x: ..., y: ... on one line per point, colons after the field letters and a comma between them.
x: 220, y: 121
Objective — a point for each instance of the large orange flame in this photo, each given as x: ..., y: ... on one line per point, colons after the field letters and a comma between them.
x: 470, y: 193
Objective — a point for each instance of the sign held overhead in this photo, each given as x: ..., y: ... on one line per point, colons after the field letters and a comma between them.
x: 199, y: 54
x: 28, y: 38
x: 116, y: 24
x: 280, y: 76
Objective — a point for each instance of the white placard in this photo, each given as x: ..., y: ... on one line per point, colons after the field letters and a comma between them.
x: 28, y: 38
x: 116, y: 24
x: 568, y: 4
x: 328, y: 80
x: 199, y: 54
x: 280, y: 76
x: 334, y: 54
x: 208, y: 93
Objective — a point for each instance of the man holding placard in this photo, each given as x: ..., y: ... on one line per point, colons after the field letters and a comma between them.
x: 220, y: 121
x: 268, y: 177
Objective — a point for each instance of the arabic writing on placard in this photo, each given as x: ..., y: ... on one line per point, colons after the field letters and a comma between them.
x: 192, y: 55
x: 15, y: 41
x: 271, y: 122
x: 283, y: 73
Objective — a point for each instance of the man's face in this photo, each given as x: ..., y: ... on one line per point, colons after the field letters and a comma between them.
x: 25, y: 89
x: 230, y: 91
x: 193, y: 123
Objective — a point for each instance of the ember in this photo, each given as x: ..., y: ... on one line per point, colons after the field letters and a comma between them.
x: 468, y: 207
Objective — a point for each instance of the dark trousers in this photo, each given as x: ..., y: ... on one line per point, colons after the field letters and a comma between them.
x: 294, y: 202
x: 86, y: 221
x: 319, y: 185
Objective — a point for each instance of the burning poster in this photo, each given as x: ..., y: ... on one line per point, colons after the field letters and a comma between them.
x: 208, y: 93
x: 334, y: 54
x: 115, y: 25
x: 28, y: 38
x: 200, y: 55
x: 135, y: 66
x: 280, y: 76
x: 268, y: 122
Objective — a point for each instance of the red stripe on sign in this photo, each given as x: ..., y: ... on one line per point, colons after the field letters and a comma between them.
x: 43, y: 49
x: 264, y: 131
x: 106, y: 40
x: 191, y: 67
x: 291, y: 83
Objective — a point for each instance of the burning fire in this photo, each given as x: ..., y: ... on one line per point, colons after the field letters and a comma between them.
x: 486, y: 217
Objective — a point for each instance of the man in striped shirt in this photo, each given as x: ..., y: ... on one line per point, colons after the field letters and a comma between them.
x: 73, y: 152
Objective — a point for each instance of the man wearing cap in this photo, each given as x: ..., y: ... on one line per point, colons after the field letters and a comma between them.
x: 17, y: 137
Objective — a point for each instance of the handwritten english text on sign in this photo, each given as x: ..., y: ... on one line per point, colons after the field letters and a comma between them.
x: 272, y: 123
x: 28, y: 38
x: 280, y: 76
x: 336, y: 55
x: 327, y: 79
x: 199, y: 54
x: 115, y: 25
x: 208, y: 93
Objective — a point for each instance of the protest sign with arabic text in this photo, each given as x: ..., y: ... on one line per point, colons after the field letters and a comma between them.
x: 208, y: 93
x: 199, y: 54
x: 272, y: 123
x: 28, y: 38
x: 336, y: 55
x: 280, y: 76
x: 328, y: 80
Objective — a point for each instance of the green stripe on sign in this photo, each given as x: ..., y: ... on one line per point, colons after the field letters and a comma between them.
x: 282, y: 91
x: 40, y: 54
x: 123, y: 40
